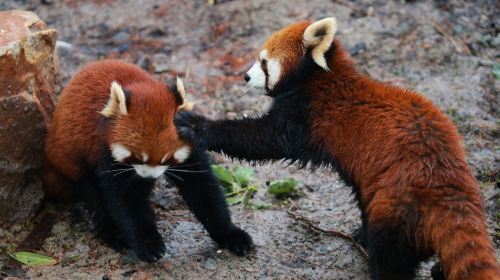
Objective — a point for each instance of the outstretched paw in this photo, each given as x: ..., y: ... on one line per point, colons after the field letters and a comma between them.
x: 238, y: 241
x: 151, y: 248
x: 190, y: 126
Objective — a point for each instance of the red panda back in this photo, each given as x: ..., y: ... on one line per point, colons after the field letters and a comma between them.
x: 407, y: 160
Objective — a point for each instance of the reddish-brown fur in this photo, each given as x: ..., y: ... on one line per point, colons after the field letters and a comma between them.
x: 404, y: 155
x: 287, y: 46
x: 430, y: 179
x: 74, y: 139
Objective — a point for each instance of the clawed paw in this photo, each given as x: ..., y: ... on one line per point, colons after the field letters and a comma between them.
x: 116, y: 243
x: 151, y: 249
x: 189, y: 126
x: 111, y: 236
x: 238, y: 241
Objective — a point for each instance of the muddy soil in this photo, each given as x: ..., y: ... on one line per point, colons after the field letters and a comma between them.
x: 447, y: 50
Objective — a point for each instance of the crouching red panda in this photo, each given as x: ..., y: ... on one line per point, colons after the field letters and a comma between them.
x: 111, y: 135
x: 401, y: 155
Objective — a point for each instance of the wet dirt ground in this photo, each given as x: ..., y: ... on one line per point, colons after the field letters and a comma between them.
x: 447, y: 50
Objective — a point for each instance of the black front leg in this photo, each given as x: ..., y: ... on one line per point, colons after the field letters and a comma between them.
x: 127, y: 199
x: 89, y: 191
x: 248, y: 138
x: 203, y: 194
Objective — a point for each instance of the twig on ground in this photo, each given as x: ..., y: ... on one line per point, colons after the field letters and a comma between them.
x: 395, y: 81
x: 459, y: 46
x: 464, y: 43
x: 344, y: 3
x: 312, y: 225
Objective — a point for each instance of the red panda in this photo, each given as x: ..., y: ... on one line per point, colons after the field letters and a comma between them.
x: 402, y: 156
x: 111, y: 135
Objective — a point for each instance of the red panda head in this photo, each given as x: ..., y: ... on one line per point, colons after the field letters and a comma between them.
x: 285, y: 49
x: 142, y: 132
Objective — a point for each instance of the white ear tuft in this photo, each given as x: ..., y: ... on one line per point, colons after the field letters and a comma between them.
x: 180, y: 88
x: 186, y: 105
x: 117, y: 103
x: 319, y: 36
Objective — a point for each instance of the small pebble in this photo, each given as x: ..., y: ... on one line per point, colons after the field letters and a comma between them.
x: 211, y: 264
x: 370, y: 12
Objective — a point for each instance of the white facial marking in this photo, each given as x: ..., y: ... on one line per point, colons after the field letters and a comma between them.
x: 148, y: 171
x: 145, y: 157
x: 182, y: 154
x: 263, y: 54
x: 274, y: 71
x: 164, y: 158
x: 257, y: 76
x: 119, y: 152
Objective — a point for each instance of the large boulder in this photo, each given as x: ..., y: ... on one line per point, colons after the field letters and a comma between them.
x: 28, y: 80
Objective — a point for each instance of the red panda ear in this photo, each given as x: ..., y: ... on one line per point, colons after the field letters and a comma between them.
x: 180, y: 96
x: 117, y: 102
x: 319, y: 36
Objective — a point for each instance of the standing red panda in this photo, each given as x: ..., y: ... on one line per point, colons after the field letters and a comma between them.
x: 111, y: 135
x: 401, y: 155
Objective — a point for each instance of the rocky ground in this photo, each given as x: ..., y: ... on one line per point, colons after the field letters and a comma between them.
x: 447, y: 50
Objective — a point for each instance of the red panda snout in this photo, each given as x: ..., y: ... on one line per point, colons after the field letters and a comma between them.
x: 143, y: 164
x: 148, y: 171
x: 265, y: 73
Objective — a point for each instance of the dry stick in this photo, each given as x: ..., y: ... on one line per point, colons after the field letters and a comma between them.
x: 328, y: 231
x: 458, y: 46
x: 464, y: 43
x: 344, y: 3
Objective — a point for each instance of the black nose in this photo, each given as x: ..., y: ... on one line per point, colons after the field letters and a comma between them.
x: 247, y: 78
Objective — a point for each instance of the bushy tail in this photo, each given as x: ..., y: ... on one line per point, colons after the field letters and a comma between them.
x: 460, y: 239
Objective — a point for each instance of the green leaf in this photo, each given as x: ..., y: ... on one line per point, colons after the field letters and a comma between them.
x: 235, y: 192
x: 243, y: 175
x: 236, y: 188
x: 32, y: 259
x: 259, y: 206
x: 224, y: 176
x: 248, y: 195
x: 496, y: 71
x: 234, y: 200
x: 281, y: 188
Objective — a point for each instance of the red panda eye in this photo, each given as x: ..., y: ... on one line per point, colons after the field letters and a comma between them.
x: 264, y: 62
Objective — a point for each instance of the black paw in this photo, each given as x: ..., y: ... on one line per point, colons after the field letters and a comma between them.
x: 190, y: 126
x: 108, y: 232
x: 237, y: 241
x: 151, y: 248
x: 115, y: 241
